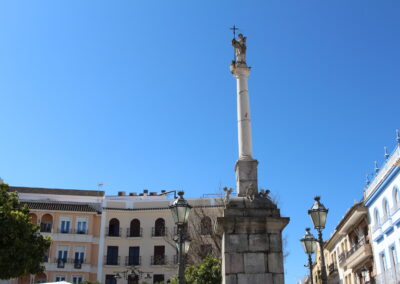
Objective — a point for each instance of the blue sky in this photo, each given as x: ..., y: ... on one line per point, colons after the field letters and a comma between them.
x: 138, y: 94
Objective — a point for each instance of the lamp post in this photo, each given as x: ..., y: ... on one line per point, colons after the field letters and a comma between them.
x: 364, y: 274
x: 180, y: 210
x: 309, y: 244
x: 318, y: 214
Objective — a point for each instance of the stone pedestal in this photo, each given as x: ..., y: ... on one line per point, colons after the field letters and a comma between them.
x: 246, y: 174
x: 252, y: 241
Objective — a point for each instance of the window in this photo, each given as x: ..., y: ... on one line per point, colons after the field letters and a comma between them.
x: 110, y: 279
x: 383, y: 261
x: 134, y: 256
x: 159, y: 255
x: 133, y: 279
x: 112, y: 255
x: 159, y: 229
x: 113, y: 229
x: 62, y: 255
x: 77, y: 279
x: 386, y: 212
x: 206, y: 228
x: 376, y: 218
x: 81, y: 225
x: 395, y: 198
x: 158, y: 278
x: 65, y: 224
x: 134, y: 230
x: 46, y: 223
x: 393, y: 256
x: 60, y: 278
x: 79, y: 257
x: 205, y: 250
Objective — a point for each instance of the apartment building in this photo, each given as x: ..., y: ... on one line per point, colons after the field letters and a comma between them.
x: 121, y: 239
x: 137, y: 232
x: 72, y: 218
x: 348, y: 252
x: 382, y: 198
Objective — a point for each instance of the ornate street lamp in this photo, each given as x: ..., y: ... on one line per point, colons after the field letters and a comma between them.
x: 180, y: 210
x: 309, y: 244
x: 318, y: 214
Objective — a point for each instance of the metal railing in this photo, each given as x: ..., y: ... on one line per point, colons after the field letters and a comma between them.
x: 332, y: 268
x: 45, y: 227
x: 158, y: 260
x: 158, y: 231
x: 112, y: 260
x: 133, y: 260
x: 134, y: 233
x: 72, y: 231
x: 113, y: 233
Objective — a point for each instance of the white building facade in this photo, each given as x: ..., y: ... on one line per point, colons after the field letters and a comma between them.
x: 382, y: 198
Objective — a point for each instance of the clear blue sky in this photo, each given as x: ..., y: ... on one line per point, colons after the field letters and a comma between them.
x: 138, y: 94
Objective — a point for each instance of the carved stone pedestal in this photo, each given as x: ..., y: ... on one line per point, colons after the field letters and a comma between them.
x: 252, y: 241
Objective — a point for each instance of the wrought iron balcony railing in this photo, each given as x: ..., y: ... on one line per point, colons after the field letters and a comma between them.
x: 134, y: 233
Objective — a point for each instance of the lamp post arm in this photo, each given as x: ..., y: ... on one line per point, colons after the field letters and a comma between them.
x: 321, y: 249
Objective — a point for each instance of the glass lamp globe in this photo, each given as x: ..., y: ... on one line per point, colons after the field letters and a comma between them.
x: 318, y: 214
x: 180, y: 209
x: 309, y: 243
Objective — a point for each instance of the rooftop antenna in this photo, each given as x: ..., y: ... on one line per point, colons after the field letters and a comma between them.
x: 367, y: 181
x: 100, y: 185
x: 376, y: 167
x: 386, y: 153
x: 398, y: 136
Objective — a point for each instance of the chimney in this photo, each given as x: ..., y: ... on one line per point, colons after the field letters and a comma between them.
x: 133, y: 194
x: 121, y: 193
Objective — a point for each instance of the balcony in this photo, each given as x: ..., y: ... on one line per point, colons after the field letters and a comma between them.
x: 113, y: 233
x: 72, y: 231
x: 60, y: 262
x: 358, y: 253
x: 78, y: 263
x: 133, y: 260
x: 158, y: 232
x: 112, y: 260
x: 158, y: 260
x: 133, y: 234
x: 45, y: 227
x: 332, y: 268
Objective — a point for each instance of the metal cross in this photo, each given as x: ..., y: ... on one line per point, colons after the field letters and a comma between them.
x: 234, y: 29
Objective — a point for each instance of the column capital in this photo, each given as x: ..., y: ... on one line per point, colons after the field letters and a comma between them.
x: 240, y: 70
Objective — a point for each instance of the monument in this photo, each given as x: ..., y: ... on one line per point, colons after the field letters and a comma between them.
x: 251, y: 223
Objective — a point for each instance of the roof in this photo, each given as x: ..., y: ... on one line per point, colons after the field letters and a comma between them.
x: 40, y: 190
x: 61, y: 206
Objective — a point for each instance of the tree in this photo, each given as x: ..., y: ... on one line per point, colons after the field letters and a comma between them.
x: 208, y: 271
x: 22, y: 248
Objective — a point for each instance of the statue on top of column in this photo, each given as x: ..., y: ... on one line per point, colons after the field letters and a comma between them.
x: 240, y: 48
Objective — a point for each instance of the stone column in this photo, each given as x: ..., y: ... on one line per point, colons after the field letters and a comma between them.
x: 246, y: 166
x: 252, y: 241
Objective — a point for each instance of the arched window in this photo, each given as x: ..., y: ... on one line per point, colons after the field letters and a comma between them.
x: 113, y: 228
x: 386, y: 211
x: 377, y: 218
x: 395, y: 198
x: 206, y: 228
x: 159, y: 228
x: 33, y: 218
x: 134, y: 230
x: 46, y: 223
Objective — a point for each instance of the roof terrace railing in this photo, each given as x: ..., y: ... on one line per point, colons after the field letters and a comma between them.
x: 391, y: 162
